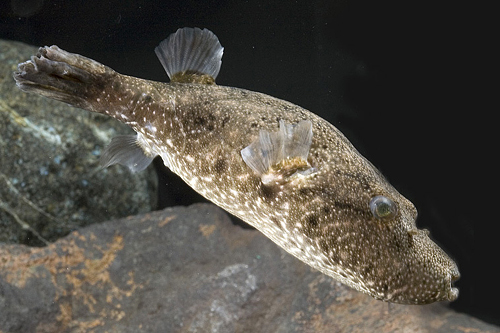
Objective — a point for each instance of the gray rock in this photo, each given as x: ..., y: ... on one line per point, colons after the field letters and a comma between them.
x: 190, y: 270
x: 50, y: 182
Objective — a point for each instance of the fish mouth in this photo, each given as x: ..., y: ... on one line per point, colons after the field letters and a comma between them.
x: 453, y: 291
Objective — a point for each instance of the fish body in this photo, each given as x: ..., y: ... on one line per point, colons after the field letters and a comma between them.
x: 279, y: 167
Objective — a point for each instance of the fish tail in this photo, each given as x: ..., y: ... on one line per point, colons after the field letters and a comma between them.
x: 64, y: 76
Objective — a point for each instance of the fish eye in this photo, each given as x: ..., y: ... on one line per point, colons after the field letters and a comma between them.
x: 382, y: 207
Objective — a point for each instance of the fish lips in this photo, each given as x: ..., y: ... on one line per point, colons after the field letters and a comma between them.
x: 453, y: 291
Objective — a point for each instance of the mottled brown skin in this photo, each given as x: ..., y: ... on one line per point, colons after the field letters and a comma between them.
x: 324, y: 218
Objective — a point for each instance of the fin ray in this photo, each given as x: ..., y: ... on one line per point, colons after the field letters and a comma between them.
x: 124, y: 150
x: 191, y: 50
x: 290, y: 142
x: 64, y: 76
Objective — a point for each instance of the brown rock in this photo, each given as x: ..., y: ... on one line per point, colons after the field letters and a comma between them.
x: 190, y: 270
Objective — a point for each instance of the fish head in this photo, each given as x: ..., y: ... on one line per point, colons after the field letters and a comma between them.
x: 396, y: 261
x: 345, y: 219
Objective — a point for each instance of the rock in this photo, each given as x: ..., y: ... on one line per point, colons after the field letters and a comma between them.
x: 190, y: 270
x: 50, y: 182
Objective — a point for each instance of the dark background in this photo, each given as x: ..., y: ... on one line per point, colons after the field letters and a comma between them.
x: 391, y: 75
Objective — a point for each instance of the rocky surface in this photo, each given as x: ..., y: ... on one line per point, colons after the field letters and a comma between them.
x: 189, y: 270
x: 50, y: 182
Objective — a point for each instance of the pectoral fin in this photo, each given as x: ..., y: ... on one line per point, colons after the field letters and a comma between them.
x: 282, y: 155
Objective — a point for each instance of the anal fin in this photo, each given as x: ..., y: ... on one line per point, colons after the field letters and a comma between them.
x: 125, y: 150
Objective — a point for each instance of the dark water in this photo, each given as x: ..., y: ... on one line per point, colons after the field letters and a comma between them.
x: 388, y: 74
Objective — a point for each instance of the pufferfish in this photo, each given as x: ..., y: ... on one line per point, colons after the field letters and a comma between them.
x: 280, y: 168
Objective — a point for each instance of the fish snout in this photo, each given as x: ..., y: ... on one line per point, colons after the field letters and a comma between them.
x: 453, y: 291
x: 438, y: 268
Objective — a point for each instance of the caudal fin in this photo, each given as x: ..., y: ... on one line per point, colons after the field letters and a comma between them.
x: 64, y: 76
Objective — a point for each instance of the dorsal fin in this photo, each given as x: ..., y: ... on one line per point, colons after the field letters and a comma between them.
x: 191, y: 55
